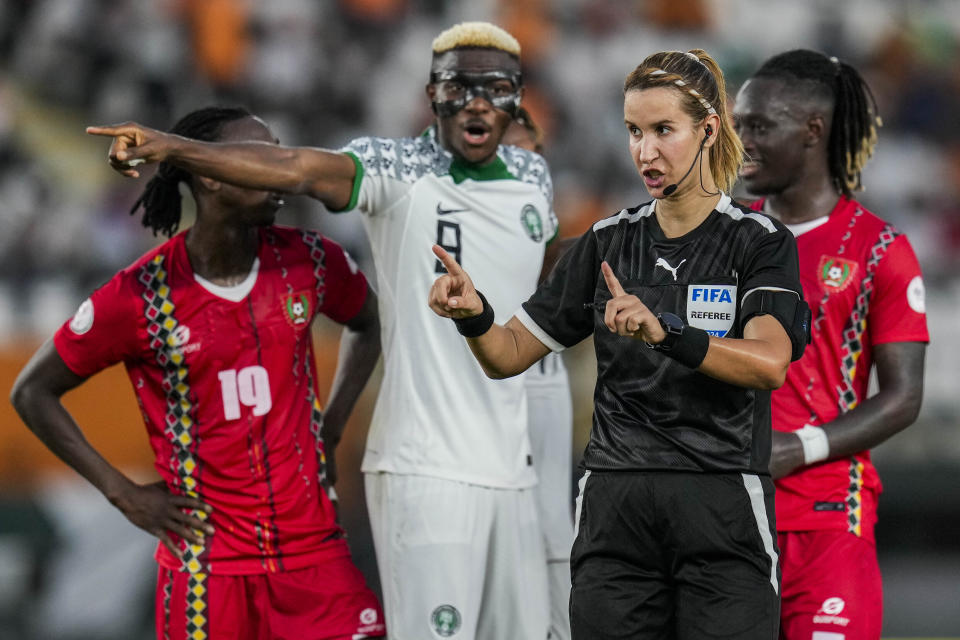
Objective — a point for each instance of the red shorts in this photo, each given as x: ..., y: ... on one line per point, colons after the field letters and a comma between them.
x: 831, y: 588
x: 327, y: 602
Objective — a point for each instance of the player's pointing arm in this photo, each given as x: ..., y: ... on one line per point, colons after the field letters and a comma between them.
x: 502, y: 350
x: 325, y: 175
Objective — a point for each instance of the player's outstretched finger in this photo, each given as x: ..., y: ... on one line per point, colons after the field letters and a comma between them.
x: 453, y: 268
x: 612, y: 283
x: 111, y: 130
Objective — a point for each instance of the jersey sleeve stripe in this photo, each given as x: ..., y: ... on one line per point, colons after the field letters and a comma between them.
x: 357, y: 180
x: 538, y: 332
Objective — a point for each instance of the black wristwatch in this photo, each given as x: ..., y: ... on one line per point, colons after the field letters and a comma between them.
x: 674, y: 326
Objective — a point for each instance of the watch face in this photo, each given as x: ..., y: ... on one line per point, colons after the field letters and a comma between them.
x: 671, y: 323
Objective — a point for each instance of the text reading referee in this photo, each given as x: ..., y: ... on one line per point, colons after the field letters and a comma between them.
x: 695, y: 307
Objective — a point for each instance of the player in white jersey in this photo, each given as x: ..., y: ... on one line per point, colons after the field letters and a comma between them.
x: 449, y: 468
x: 550, y: 422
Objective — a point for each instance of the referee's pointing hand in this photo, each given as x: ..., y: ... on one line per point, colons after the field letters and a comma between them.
x: 625, y: 315
x: 453, y: 295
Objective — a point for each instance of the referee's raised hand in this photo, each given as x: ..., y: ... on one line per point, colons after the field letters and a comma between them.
x: 452, y: 295
x: 625, y: 315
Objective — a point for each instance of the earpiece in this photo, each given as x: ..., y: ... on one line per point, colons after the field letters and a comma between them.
x: 670, y: 188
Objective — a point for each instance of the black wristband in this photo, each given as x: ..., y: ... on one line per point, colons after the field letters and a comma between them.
x: 477, y: 325
x: 690, y: 347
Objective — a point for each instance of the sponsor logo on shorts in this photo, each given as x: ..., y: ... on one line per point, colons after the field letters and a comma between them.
x: 829, y: 612
x: 83, y: 319
x: 445, y: 620
x: 368, y: 615
x: 370, y: 624
x: 712, y: 307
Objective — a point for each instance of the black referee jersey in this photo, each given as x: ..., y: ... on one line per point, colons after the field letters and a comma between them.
x: 651, y: 412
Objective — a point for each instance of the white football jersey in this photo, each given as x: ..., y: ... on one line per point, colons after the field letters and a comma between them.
x: 437, y: 413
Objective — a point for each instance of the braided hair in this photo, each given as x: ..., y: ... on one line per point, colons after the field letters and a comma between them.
x: 161, y: 197
x: 853, y: 130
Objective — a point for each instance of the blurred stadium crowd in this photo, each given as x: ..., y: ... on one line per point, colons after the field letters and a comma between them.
x: 321, y: 73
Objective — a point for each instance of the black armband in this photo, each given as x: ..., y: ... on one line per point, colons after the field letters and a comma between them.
x: 788, y: 307
x: 477, y: 325
x: 685, y: 344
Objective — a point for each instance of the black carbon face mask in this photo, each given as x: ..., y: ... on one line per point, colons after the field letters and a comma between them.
x: 456, y: 89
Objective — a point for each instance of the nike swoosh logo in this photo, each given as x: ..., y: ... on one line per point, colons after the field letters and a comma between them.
x: 442, y: 212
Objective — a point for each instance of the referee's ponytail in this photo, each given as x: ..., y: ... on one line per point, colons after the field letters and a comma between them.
x: 700, y: 81
x: 853, y: 129
x: 161, y: 197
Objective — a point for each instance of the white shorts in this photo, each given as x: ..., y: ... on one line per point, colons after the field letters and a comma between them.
x: 550, y: 411
x: 457, y: 559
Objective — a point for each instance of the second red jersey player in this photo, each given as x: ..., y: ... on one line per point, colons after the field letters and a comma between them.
x: 808, y: 123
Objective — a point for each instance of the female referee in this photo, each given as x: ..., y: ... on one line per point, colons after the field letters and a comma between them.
x: 696, y: 310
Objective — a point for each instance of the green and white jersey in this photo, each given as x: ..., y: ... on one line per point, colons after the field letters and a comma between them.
x: 437, y: 413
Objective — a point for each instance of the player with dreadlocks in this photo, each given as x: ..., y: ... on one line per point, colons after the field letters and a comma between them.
x: 213, y: 327
x: 449, y: 471
x: 809, y: 124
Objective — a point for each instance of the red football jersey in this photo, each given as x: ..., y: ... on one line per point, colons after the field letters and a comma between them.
x: 864, y: 287
x: 228, y: 392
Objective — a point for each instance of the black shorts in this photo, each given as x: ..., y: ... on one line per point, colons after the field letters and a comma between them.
x: 684, y: 556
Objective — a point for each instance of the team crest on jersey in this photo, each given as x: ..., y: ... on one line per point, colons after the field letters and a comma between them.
x: 532, y: 222
x: 712, y: 307
x: 297, y: 306
x: 836, y: 274
x: 445, y: 620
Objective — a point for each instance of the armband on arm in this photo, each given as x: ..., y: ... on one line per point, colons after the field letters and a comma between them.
x: 786, y: 306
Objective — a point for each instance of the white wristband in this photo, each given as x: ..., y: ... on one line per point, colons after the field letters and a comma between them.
x: 816, y: 447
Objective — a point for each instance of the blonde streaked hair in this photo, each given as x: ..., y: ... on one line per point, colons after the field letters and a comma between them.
x: 699, y: 80
x: 476, y: 34
x: 811, y: 75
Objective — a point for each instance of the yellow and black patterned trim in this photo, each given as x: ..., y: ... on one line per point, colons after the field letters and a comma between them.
x: 180, y: 424
x: 852, y: 346
x: 851, y: 350
x: 318, y: 254
x: 855, y: 498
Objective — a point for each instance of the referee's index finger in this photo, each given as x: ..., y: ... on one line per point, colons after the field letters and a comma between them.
x: 612, y: 283
x: 453, y: 268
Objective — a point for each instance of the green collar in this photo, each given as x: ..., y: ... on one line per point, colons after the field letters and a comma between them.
x: 496, y: 170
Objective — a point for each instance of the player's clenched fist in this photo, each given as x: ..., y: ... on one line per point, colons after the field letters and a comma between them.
x: 133, y: 145
x: 453, y: 295
x: 625, y: 315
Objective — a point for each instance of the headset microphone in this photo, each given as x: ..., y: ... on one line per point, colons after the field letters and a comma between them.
x: 670, y: 188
